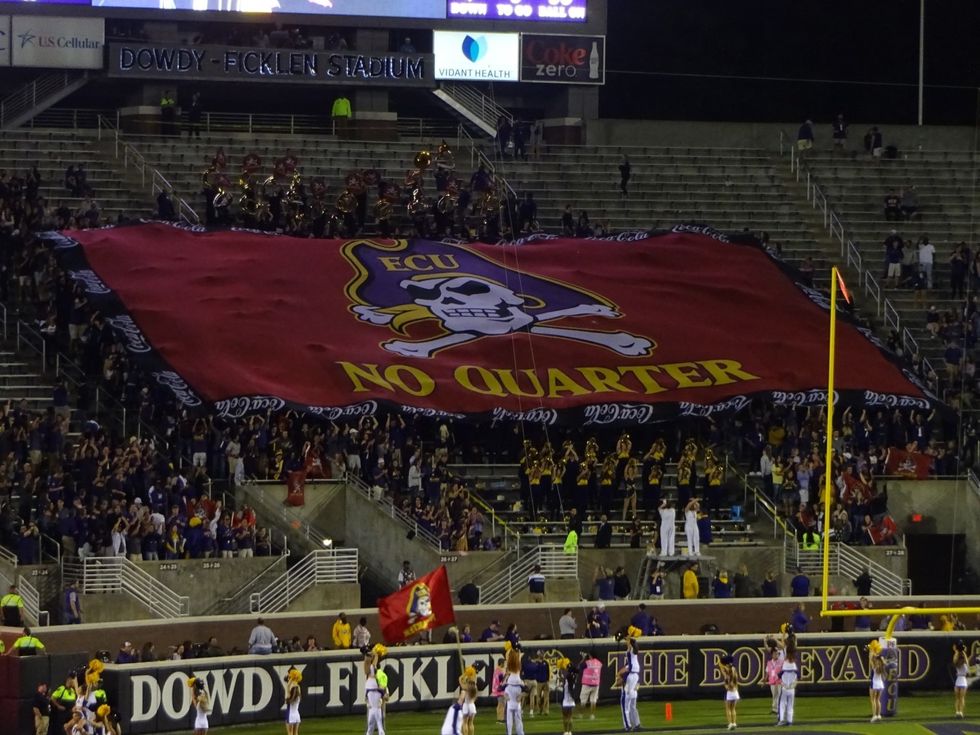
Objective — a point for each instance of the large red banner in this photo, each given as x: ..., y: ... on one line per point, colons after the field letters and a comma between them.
x: 422, y: 605
x: 631, y: 330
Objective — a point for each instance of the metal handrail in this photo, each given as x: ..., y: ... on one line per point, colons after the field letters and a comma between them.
x: 158, y: 182
x: 240, y: 602
x: 477, y: 154
x: 8, y: 556
x: 848, y: 562
x: 477, y: 103
x: 849, y: 251
x: 108, y: 574
x: 324, y: 566
x: 554, y: 562
x: 385, y: 505
x: 32, y: 601
x: 28, y: 96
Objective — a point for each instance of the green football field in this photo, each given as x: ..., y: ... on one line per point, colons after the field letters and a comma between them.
x: 918, y: 714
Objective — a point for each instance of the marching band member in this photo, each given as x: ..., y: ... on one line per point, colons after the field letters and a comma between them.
x: 667, y: 515
x: 568, y: 676
x: 631, y: 476
x: 374, y: 694
x: 513, y: 689
x: 961, y: 664
x: 202, y: 705
x: 730, y: 682
x: 789, y: 675
x: 293, y: 696
x: 630, y: 675
x: 691, y: 532
x: 877, y: 666
x: 469, y: 691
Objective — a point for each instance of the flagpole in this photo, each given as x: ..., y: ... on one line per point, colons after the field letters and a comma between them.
x: 828, y: 457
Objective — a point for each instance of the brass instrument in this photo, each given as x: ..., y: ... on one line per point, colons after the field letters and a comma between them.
x: 444, y: 157
x: 383, y: 210
x: 423, y: 159
x: 346, y: 202
x: 418, y: 204
x: 223, y: 198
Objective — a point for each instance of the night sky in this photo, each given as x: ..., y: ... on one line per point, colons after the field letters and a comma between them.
x: 865, y: 50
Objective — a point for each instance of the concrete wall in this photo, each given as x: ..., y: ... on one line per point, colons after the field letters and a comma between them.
x: 327, y: 597
x: 204, y: 581
x: 678, y: 617
x: 112, y: 607
x: 949, y: 506
x: 766, y: 135
x: 383, y: 545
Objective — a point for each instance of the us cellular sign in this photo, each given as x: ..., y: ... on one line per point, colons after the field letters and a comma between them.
x: 559, y: 59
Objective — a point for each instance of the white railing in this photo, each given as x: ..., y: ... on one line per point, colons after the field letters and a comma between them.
x: 478, y: 156
x: 851, y: 255
x: 117, y: 574
x: 555, y: 564
x: 478, y: 104
x: 132, y: 158
x: 36, y: 92
x: 32, y: 602
x: 241, y: 601
x: 848, y: 562
x: 973, y: 481
x: 385, y: 505
x: 8, y: 556
x: 325, y: 566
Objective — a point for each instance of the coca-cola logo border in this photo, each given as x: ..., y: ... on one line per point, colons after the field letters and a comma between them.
x: 550, y: 58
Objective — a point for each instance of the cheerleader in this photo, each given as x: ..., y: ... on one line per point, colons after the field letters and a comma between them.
x: 730, y: 682
x: 691, y: 527
x: 877, y: 665
x: 202, y: 705
x: 469, y: 691
x: 789, y: 675
x: 75, y: 725
x: 513, y: 689
x: 293, y: 696
x: 773, y: 666
x: 630, y: 675
x: 105, y: 723
x: 453, y: 723
x: 631, y: 476
x: 962, y: 666
x: 568, y: 676
x: 374, y: 694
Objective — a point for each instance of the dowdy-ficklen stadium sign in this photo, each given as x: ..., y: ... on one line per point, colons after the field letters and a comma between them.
x: 264, y: 64
x: 155, y: 697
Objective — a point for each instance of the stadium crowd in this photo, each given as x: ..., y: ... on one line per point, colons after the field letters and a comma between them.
x: 149, y: 496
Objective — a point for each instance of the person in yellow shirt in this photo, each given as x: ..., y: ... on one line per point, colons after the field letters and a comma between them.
x: 691, y: 586
x: 341, y: 632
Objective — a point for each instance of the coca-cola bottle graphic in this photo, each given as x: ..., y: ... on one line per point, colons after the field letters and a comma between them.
x: 594, y: 61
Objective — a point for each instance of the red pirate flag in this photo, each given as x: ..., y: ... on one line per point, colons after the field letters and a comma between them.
x: 422, y: 605
x: 907, y: 464
x: 296, y: 488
